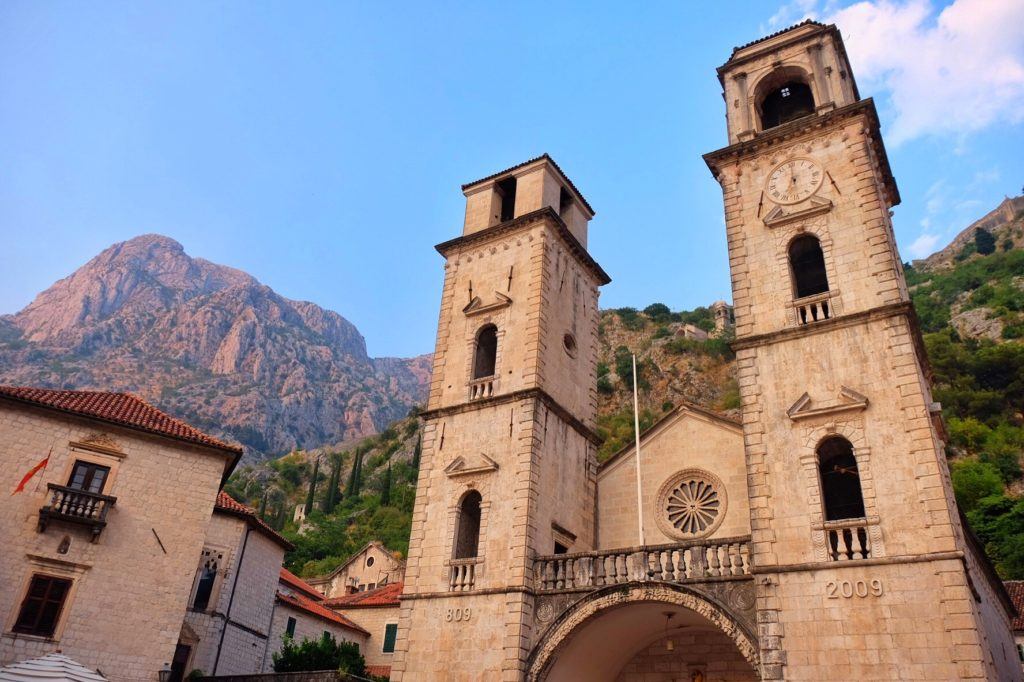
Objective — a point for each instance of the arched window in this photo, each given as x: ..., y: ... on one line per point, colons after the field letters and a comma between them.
x: 486, y: 352
x: 840, y: 480
x: 808, y: 265
x: 788, y: 102
x: 467, y: 528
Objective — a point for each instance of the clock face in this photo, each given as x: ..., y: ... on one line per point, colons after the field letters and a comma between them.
x: 793, y: 181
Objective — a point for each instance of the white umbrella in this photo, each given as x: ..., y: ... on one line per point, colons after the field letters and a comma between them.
x: 50, y: 667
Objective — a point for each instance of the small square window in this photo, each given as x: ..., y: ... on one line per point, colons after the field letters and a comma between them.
x: 289, y: 629
x: 44, y: 601
x: 784, y: 92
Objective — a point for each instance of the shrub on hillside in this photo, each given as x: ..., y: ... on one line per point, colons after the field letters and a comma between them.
x: 973, y: 481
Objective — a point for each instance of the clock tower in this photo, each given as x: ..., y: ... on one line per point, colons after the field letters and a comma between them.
x: 865, y: 569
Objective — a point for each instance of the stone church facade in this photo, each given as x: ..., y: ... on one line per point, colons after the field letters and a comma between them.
x: 816, y: 538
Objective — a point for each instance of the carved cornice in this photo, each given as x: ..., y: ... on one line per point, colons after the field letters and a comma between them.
x: 525, y: 394
x: 782, y: 134
x: 778, y: 216
x: 458, y: 467
x: 849, y: 400
x: 521, y: 223
x: 893, y: 309
x: 478, y: 307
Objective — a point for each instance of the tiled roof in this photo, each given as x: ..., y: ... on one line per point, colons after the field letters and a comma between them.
x: 1015, y: 588
x: 296, y: 583
x: 227, y: 504
x: 124, y: 409
x: 379, y: 670
x: 545, y: 156
x: 382, y: 596
x: 805, y: 22
x: 317, y: 609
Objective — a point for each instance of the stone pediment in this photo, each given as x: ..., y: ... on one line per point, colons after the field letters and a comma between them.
x: 477, y: 306
x: 778, y: 216
x: 463, y: 466
x: 848, y: 400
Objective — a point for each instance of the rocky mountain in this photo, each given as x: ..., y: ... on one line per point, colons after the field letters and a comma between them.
x: 210, y: 344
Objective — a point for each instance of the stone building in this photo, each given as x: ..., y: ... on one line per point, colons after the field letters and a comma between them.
x: 817, y: 538
x: 372, y: 566
x: 301, y: 612
x: 376, y: 611
x: 228, y: 621
x: 99, y: 547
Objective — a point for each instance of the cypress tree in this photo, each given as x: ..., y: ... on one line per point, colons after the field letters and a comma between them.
x: 263, y: 507
x: 312, y: 486
x: 385, y: 488
x: 330, y: 495
x: 416, y: 453
x: 350, y: 488
x: 358, y: 481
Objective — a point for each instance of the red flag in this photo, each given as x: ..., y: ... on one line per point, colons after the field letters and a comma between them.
x: 32, y: 472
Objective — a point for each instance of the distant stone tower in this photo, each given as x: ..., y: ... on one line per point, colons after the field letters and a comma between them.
x: 864, y: 569
x: 508, y: 466
x: 723, y: 317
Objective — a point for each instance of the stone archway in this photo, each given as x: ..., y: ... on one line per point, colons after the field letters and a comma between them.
x: 638, y: 608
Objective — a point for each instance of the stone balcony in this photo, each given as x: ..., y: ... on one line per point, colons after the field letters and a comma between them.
x: 81, y: 507
x: 689, y: 561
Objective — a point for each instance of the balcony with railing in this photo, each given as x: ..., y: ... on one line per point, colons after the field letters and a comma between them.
x: 76, y: 506
x: 462, y: 574
x: 690, y: 561
x: 483, y: 388
x: 849, y: 539
x: 812, y: 309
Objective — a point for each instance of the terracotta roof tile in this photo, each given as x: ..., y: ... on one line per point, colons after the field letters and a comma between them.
x: 118, y: 408
x: 379, y: 670
x: 296, y: 583
x: 1015, y: 588
x: 230, y: 505
x: 382, y: 596
x: 316, y: 609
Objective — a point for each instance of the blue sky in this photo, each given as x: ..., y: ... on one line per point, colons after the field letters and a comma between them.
x: 320, y: 146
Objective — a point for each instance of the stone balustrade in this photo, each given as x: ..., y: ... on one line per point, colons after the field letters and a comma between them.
x: 482, y: 388
x: 811, y: 309
x: 76, y: 506
x: 679, y: 562
x: 462, y: 574
x: 848, y: 539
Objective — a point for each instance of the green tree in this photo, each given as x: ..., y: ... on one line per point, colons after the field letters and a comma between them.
x: 973, y: 481
x: 658, y: 312
x: 984, y: 241
x: 385, y: 487
x: 416, y: 453
x: 312, y: 486
x: 262, y: 513
x: 330, y: 500
x: 325, y: 653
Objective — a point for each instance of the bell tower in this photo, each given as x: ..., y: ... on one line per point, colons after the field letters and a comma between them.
x: 508, y: 468
x: 865, y: 568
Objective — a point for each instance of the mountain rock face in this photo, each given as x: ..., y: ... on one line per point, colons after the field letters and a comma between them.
x: 210, y: 344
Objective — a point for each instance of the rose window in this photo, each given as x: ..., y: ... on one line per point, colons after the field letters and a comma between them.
x: 692, y: 504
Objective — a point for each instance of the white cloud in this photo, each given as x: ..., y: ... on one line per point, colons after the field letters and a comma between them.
x: 923, y: 246
x: 950, y: 74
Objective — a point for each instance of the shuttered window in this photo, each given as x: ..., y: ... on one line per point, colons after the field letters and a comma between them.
x: 390, y: 635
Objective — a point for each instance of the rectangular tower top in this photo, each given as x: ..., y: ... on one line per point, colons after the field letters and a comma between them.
x: 524, y: 188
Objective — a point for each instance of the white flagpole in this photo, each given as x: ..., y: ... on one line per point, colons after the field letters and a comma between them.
x: 636, y: 433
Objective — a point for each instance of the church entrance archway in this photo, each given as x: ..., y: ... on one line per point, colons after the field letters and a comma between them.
x: 637, y: 631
